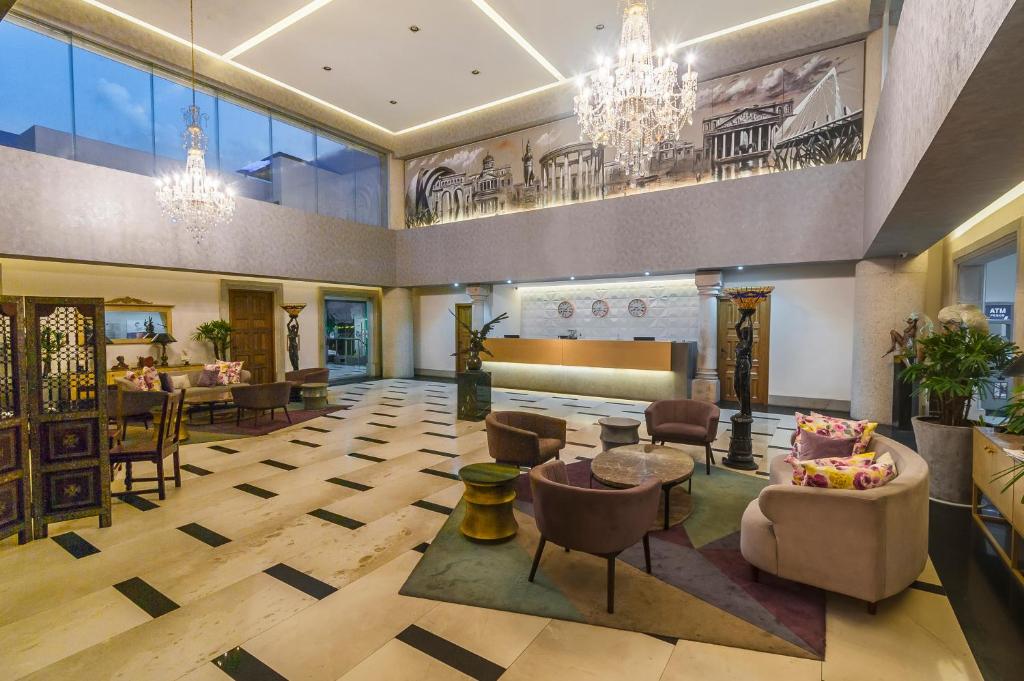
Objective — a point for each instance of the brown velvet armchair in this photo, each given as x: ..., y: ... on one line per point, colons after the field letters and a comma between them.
x: 602, y: 522
x: 686, y: 422
x: 262, y: 397
x: 523, y: 439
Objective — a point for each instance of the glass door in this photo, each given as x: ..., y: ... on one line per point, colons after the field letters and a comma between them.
x: 347, y: 338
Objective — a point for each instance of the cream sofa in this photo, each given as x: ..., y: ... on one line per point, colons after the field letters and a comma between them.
x: 868, y: 544
x: 195, y: 393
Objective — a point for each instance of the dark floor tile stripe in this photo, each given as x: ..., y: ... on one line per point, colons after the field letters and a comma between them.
x: 422, y: 548
x: 537, y: 408
x: 764, y: 473
x: 279, y: 464
x: 336, y: 518
x: 332, y: 416
x: 223, y: 450
x: 439, y: 453
x: 380, y: 425
x: 75, y: 545
x: 348, y: 399
x: 515, y: 399
x: 580, y: 444
x: 258, y: 491
x: 138, y: 502
x: 243, y: 666
x: 626, y: 411
x: 457, y: 657
x: 366, y: 457
x: 431, y: 506
x: 311, y: 586
x: 930, y: 588
x: 380, y: 413
x: 195, y: 470
x: 304, y: 443
x: 671, y: 640
x: 358, y: 486
x: 366, y: 438
x: 444, y: 435
x: 315, y: 429
x: 205, y: 535
x: 440, y: 474
x: 146, y: 597
x: 437, y: 423
x: 437, y: 411
x: 591, y: 413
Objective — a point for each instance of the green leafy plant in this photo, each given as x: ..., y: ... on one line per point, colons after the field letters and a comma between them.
x: 957, y: 363
x: 50, y: 341
x: 217, y: 332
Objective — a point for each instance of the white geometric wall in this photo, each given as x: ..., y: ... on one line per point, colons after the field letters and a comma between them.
x: 671, y: 310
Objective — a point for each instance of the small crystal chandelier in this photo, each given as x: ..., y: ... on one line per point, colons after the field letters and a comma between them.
x: 193, y: 198
x: 639, y: 100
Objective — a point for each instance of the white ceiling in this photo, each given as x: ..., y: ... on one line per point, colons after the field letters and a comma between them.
x: 375, y: 58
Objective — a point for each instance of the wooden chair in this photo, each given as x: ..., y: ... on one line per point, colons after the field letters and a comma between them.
x: 164, y: 445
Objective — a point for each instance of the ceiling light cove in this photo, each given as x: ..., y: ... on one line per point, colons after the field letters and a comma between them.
x: 295, y: 16
x: 514, y: 34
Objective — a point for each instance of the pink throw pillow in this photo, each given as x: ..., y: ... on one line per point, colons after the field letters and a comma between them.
x: 815, y: 446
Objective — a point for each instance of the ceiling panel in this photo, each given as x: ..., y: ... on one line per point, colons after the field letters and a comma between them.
x: 376, y: 58
x: 564, y: 31
x: 220, y: 25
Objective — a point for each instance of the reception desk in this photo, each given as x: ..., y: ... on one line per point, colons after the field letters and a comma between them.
x: 641, y: 370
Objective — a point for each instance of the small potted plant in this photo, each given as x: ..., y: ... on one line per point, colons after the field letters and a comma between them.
x: 477, y: 340
x: 956, y: 363
x: 217, y: 332
x: 1014, y: 425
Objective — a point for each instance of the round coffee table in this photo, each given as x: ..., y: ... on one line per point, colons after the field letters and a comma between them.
x: 490, y: 491
x: 617, y: 431
x: 314, y: 396
x: 627, y: 466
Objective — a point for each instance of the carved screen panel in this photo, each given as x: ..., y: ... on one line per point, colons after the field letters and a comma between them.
x: 66, y: 356
x: 14, y: 479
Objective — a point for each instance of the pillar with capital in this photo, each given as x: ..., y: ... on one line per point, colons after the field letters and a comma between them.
x: 705, y: 384
x: 480, y: 295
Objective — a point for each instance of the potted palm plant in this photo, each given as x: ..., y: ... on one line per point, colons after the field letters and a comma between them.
x: 957, y: 363
x: 217, y: 332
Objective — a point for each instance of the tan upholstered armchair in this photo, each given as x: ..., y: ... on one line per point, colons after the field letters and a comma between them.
x: 868, y: 544
x: 524, y: 439
x: 602, y: 522
x: 262, y: 397
x: 687, y: 422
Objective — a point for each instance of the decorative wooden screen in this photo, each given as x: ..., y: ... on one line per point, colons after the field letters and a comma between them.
x: 14, y: 479
x: 66, y: 356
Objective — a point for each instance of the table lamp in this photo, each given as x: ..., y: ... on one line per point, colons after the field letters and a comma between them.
x: 162, y: 339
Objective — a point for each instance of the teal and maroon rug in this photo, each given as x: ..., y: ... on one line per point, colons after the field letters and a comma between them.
x: 700, y: 590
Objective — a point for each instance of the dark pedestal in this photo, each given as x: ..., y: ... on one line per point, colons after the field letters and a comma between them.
x: 904, y: 401
x: 474, y: 395
x: 741, y: 449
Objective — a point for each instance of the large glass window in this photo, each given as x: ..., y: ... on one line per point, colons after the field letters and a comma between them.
x: 35, y: 91
x: 293, y: 165
x: 113, y: 112
x: 65, y: 97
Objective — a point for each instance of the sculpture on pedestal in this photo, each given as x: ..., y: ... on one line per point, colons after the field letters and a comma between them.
x: 741, y: 454
x: 474, y: 385
x: 293, y: 332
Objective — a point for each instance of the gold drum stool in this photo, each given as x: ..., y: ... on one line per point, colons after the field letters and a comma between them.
x: 490, y: 492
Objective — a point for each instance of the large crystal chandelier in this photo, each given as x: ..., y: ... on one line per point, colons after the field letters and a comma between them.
x: 639, y: 100
x: 193, y: 198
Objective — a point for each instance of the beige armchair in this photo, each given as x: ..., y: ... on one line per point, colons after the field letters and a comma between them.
x: 868, y: 544
x: 523, y: 439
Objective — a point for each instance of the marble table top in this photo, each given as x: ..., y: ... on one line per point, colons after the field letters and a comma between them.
x: 627, y: 466
x: 488, y: 473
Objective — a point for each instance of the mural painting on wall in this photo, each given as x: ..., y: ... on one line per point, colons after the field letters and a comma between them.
x: 802, y: 112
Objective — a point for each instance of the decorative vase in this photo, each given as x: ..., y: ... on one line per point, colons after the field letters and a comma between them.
x: 949, y: 453
x: 473, y: 362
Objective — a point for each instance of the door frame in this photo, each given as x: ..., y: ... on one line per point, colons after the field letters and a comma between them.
x: 764, y: 341
x: 374, y: 299
x: 228, y: 285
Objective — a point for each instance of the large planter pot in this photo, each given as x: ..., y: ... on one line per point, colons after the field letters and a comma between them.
x: 949, y: 453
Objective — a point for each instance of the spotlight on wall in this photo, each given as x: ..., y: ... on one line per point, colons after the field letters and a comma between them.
x: 456, y: 284
x: 740, y: 267
x: 508, y: 281
x: 572, y: 278
x: 647, y: 274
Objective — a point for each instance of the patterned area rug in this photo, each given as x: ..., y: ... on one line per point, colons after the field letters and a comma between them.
x: 700, y: 589
x: 224, y: 428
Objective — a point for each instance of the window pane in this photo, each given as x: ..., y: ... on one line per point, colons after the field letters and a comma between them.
x: 335, y: 183
x: 293, y: 172
x: 170, y: 99
x: 368, y: 190
x: 35, y: 91
x: 113, y: 113
x: 245, y: 150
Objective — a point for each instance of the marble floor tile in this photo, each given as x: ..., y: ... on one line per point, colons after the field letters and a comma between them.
x: 692, y: 661
x: 396, y: 661
x: 475, y: 629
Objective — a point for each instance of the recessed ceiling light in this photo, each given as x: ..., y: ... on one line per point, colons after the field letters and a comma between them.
x: 393, y: 101
x: 475, y: 72
x: 600, y: 27
x: 414, y: 28
x: 327, y: 68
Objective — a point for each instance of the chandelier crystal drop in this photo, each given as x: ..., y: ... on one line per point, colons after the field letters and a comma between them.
x: 638, y: 100
x: 193, y: 198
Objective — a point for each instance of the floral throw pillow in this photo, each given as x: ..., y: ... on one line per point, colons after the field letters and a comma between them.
x: 832, y: 426
x: 152, y: 378
x: 230, y: 372
x: 856, y: 472
x: 137, y: 379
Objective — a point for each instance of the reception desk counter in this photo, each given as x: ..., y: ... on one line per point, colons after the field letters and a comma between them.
x: 642, y: 370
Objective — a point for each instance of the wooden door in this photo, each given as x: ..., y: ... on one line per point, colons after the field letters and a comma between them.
x: 463, y: 314
x: 728, y: 315
x: 252, y: 339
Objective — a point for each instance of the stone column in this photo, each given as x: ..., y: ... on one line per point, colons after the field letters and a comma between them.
x: 481, y: 297
x: 396, y: 343
x: 705, y: 385
x: 886, y: 291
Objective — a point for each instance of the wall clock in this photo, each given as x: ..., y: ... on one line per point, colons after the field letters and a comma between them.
x: 600, y: 308
x: 565, y: 309
x: 637, y: 307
